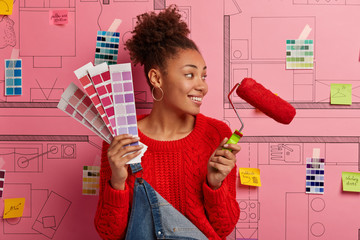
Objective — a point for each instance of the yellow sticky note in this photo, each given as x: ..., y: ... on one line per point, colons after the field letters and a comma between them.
x: 250, y: 176
x: 6, y: 7
x: 351, y: 181
x: 341, y: 94
x: 14, y: 207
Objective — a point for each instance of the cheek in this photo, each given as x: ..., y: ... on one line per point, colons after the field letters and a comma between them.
x: 206, y: 89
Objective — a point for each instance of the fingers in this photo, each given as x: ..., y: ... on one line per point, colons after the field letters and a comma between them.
x: 131, y: 154
x: 120, y: 143
x: 233, y: 147
x: 222, y: 164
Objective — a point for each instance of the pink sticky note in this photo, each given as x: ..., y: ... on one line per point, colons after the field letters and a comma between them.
x: 58, y: 17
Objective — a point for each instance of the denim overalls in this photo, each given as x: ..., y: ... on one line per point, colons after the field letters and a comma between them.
x: 152, y: 217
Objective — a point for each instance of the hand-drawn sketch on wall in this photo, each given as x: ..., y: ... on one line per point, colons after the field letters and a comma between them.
x: 52, y: 42
x: 7, y: 32
x: 252, y: 52
x: 22, y: 157
x: 40, y: 143
x: 51, y: 215
x: 254, y: 43
x: 288, y: 156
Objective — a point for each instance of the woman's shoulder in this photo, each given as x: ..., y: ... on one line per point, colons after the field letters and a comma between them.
x: 215, y: 126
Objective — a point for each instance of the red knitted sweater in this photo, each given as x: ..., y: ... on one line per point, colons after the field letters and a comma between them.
x: 177, y: 171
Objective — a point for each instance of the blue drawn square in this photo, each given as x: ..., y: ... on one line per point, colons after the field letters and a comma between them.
x: 17, y: 82
x: 9, y: 91
x: 9, y: 82
x: 17, y: 73
x: 17, y: 91
x: 9, y: 64
x: 9, y: 73
x: 18, y: 63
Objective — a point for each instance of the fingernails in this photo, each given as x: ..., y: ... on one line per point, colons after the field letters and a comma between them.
x: 226, y: 145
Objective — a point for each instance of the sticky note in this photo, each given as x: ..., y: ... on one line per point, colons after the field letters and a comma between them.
x: 250, y: 176
x: 58, y: 17
x: 13, y: 207
x: 6, y: 7
x: 351, y: 181
x: 341, y: 94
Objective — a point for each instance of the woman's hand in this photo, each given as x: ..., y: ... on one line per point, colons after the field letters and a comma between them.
x: 221, y: 163
x: 117, y: 159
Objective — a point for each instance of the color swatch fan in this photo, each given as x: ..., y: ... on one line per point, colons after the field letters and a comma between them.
x: 109, y: 108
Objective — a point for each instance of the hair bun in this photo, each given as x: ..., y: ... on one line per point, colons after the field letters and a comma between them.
x: 158, y: 36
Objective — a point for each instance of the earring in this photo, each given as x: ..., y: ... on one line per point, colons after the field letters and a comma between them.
x: 157, y: 99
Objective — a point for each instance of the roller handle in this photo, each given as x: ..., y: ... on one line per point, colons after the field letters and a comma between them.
x: 235, y: 138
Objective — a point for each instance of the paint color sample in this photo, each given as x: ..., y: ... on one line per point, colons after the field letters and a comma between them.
x: 13, y: 77
x: 341, y: 94
x: 83, y: 106
x: 300, y: 54
x: 124, y: 99
x: 107, y: 47
x: 100, y: 77
x: 315, y: 175
x: 91, y: 179
x: 2, y: 182
x: 68, y: 109
x: 13, y: 207
x: 84, y: 78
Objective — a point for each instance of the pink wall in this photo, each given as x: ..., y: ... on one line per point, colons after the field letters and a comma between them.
x: 43, y: 150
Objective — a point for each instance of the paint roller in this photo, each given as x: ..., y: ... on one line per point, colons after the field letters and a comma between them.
x: 263, y: 99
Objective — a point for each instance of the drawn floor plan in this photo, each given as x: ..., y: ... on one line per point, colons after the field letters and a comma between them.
x: 43, y: 151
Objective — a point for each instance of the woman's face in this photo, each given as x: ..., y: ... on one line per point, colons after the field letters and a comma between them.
x: 184, y: 83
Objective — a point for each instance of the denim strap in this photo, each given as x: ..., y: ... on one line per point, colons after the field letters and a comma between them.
x: 136, y: 167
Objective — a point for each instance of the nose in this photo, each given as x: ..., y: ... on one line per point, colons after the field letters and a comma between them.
x: 201, y: 85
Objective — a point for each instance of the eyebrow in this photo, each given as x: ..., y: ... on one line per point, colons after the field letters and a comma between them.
x: 194, y: 66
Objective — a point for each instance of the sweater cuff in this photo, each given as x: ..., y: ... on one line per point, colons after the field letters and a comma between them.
x: 217, y: 196
x: 116, y: 198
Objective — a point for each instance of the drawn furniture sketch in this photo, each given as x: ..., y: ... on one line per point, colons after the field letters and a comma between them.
x: 52, y: 43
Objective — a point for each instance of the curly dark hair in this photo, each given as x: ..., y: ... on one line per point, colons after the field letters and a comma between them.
x: 158, y: 37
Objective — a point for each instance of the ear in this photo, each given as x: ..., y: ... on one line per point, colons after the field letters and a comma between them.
x: 155, y: 77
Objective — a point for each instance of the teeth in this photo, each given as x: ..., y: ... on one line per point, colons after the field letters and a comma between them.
x: 198, y: 99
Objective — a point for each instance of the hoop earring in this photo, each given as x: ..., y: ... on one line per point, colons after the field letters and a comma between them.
x: 157, y: 99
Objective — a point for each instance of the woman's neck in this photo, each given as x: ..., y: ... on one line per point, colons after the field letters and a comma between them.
x: 163, y: 125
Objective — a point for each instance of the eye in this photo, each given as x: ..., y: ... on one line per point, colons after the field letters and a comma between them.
x: 204, y: 77
x: 189, y: 75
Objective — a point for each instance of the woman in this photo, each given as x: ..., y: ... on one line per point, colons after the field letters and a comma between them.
x: 185, y: 161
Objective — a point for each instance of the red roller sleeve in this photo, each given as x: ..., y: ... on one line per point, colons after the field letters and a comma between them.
x: 266, y: 101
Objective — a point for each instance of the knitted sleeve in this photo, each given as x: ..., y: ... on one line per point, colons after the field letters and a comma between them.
x: 221, y: 206
x: 113, y: 207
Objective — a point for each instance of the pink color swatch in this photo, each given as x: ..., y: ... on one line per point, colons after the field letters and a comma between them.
x: 82, y: 75
x: 78, y: 105
x: 100, y: 77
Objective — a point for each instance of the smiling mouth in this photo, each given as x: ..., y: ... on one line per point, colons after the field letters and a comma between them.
x: 196, y: 99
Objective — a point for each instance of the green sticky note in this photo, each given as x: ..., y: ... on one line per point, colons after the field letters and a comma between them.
x: 351, y: 181
x: 340, y: 94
